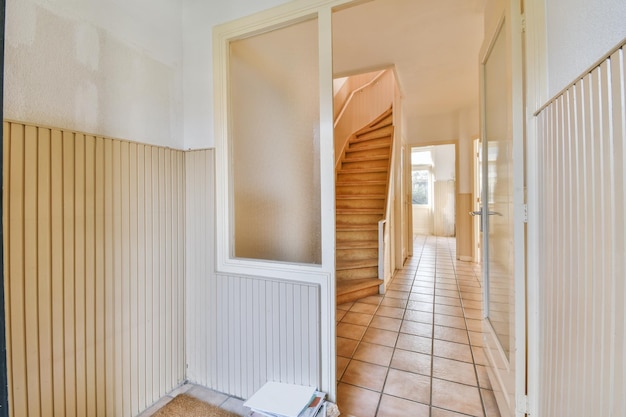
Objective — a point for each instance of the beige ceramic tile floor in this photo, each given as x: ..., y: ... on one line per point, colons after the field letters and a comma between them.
x: 417, y: 350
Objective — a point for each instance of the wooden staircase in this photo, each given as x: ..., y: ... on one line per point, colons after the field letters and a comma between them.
x: 362, y: 179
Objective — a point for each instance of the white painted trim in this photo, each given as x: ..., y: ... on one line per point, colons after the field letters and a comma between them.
x: 327, y: 181
x: 519, y: 203
x: 536, y: 95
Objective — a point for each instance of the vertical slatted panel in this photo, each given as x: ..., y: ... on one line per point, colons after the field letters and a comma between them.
x: 287, y: 322
x: 242, y: 331
x: 201, y: 319
x: 582, y: 249
x: 83, y: 265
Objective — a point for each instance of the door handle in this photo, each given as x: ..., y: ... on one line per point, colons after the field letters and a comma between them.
x: 480, y: 213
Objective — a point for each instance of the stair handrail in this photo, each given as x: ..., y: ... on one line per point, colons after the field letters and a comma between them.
x: 355, y: 91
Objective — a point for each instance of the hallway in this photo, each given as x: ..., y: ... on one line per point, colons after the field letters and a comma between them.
x: 417, y: 350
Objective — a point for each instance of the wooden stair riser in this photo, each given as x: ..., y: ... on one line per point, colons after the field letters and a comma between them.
x: 374, y: 141
x: 357, y: 218
x: 363, y: 244
x: 352, y: 296
x: 347, y: 176
x: 386, y: 131
x: 360, y: 203
x: 348, y: 274
x: 355, y: 254
x: 364, y: 189
x: 383, y: 150
x: 357, y: 235
x: 377, y: 124
x: 374, y: 163
x: 355, y: 296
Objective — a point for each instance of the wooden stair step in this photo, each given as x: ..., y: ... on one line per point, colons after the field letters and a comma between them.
x: 361, y: 170
x: 352, y: 290
x: 372, y: 128
x: 359, y: 211
x: 360, y: 196
x: 345, y: 183
x: 366, y: 158
x: 343, y: 265
x: 347, y: 227
x: 383, y: 132
x: 383, y: 120
x: 366, y: 148
x: 364, y: 244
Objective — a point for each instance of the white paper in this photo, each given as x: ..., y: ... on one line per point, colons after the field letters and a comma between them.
x: 283, y: 399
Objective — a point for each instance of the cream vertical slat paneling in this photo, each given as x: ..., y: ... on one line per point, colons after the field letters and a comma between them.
x: 200, y: 285
x: 71, y: 389
x: 57, y: 275
x: 30, y: 270
x: 44, y: 228
x: 582, y: 249
x: 90, y: 306
x: 16, y: 325
x: 618, y: 100
x: 83, y: 265
x: 79, y: 271
x: 140, y: 358
x: 100, y: 276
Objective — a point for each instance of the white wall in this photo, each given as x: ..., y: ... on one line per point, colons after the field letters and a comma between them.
x: 199, y: 17
x: 460, y: 125
x: 110, y: 67
x: 444, y: 160
x: 579, y: 33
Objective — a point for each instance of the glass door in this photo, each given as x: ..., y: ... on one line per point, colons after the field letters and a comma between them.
x: 502, y: 214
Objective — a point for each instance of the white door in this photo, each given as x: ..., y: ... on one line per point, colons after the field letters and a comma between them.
x: 502, y: 211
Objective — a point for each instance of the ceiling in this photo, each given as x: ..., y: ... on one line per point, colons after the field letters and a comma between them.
x: 433, y: 44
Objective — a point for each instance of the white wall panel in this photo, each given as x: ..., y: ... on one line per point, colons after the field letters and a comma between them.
x: 582, y: 246
x: 94, y: 272
x: 241, y: 331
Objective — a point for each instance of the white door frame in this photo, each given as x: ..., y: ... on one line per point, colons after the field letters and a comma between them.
x: 535, y: 52
x: 324, y: 274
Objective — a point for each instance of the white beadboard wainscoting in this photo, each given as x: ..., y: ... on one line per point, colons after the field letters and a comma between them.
x: 581, y: 195
x: 241, y: 331
x: 94, y: 272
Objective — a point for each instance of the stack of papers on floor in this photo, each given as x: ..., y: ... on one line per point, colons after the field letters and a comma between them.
x: 276, y: 399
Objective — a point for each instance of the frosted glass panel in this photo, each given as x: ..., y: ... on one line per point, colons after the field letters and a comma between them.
x: 274, y: 121
x: 498, y: 142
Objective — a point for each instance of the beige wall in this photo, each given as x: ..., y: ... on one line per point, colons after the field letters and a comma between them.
x: 94, y: 272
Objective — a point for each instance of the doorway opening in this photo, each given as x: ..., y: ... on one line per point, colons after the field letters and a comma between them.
x: 433, y: 176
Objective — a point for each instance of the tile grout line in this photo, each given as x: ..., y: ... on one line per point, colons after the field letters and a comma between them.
x: 480, y: 392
